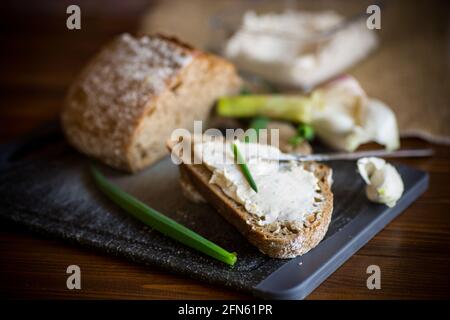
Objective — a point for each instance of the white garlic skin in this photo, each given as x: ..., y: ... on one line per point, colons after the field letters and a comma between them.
x: 384, y: 183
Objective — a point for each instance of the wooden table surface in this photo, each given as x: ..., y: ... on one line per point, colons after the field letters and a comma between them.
x: 40, y: 57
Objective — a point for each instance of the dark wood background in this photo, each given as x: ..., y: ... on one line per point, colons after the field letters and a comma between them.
x: 39, y: 59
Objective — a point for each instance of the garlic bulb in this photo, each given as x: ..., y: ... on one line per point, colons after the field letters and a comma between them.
x: 344, y: 117
x: 380, y: 124
x: 384, y: 183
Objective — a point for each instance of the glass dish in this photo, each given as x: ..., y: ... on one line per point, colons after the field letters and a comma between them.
x: 287, y: 72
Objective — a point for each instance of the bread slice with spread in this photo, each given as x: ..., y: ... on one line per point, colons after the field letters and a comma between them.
x: 290, y: 213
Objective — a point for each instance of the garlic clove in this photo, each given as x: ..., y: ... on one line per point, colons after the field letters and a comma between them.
x: 384, y: 183
x: 367, y: 167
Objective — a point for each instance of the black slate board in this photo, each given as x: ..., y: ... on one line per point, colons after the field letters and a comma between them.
x: 44, y: 185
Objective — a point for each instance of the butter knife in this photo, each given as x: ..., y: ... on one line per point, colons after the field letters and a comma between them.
x: 381, y: 153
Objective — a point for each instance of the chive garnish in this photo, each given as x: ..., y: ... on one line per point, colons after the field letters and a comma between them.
x: 296, y: 140
x: 257, y: 123
x: 305, y: 131
x: 244, y: 168
x: 159, y: 221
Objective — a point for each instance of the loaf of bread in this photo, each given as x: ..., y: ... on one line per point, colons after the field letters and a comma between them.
x: 125, y: 104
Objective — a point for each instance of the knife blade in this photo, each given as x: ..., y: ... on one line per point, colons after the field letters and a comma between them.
x: 381, y: 153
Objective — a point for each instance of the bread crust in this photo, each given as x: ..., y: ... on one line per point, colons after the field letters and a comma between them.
x: 123, y: 85
x: 275, y: 245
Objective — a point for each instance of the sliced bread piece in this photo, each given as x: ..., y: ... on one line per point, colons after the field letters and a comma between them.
x: 136, y: 91
x: 281, y: 239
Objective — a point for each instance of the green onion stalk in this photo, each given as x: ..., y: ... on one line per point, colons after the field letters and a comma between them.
x: 294, y: 108
x: 160, y: 222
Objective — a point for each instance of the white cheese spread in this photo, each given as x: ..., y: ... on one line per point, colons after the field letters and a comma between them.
x: 288, y: 47
x: 286, y: 192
